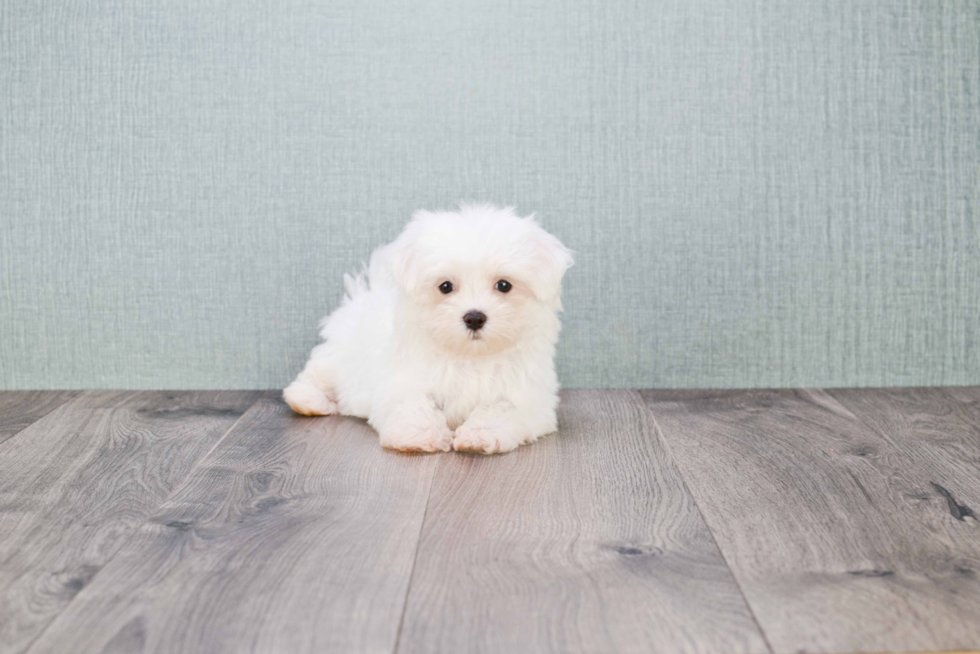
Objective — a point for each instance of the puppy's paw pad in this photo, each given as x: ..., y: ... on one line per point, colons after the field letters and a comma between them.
x: 415, y: 439
x: 487, y: 440
x: 307, y: 400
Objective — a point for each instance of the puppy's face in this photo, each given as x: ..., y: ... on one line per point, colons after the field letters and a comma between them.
x: 474, y: 307
x: 479, y: 280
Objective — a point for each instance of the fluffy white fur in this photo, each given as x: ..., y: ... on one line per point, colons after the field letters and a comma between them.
x: 398, y: 352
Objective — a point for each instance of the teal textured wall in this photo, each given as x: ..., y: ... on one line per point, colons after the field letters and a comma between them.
x: 761, y: 193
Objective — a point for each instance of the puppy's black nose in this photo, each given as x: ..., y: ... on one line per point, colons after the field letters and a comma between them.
x: 474, y: 320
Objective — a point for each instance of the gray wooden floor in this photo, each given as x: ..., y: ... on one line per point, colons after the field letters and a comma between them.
x: 655, y: 521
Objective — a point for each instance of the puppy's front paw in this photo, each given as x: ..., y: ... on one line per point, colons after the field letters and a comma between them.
x: 484, y: 438
x: 431, y: 438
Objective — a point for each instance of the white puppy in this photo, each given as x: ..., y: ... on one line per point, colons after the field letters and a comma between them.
x: 448, y: 339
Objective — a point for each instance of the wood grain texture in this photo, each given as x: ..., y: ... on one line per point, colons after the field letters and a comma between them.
x: 586, y: 541
x: 838, y: 533
x: 969, y: 396
x: 937, y: 428
x: 18, y: 409
x: 293, y: 535
x: 77, y: 483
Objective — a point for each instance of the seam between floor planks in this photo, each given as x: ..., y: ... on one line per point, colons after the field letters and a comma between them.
x: 58, y: 398
x: 415, y: 561
x: 711, y: 531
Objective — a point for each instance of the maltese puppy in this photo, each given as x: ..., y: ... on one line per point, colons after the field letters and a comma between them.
x: 447, y: 340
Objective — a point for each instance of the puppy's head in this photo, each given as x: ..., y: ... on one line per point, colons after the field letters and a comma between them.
x: 478, y: 279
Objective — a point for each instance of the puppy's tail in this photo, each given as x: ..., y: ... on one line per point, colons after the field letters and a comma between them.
x: 355, y: 285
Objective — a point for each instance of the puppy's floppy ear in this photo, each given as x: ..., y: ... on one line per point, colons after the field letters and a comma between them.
x: 398, y: 264
x: 550, y: 259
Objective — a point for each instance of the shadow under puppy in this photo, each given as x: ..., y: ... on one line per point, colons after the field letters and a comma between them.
x: 448, y: 339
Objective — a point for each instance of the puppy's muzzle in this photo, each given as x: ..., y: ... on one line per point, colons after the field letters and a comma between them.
x: 475, y: 320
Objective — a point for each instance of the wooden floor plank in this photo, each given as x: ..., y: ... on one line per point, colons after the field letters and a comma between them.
x: 837, y: 532
x: 586, y: 541
x: 969, y: 396
x: 77, y: 483
x: 294, y: 535
x: 18, y: 409
x: 939, y: 429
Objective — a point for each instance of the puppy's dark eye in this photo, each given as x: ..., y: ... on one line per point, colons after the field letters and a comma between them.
x: 503, y: 286
x: 446, y: 287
